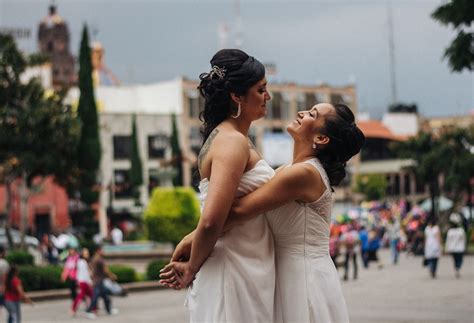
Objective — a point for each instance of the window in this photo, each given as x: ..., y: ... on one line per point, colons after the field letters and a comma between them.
x: 153, y: 180
x: 274, y: 112
x: 122, y: 147
x: 301, y: 101
x: 195, y: 139
x: 279, y: 106
x: 337, y: 98
x: 123, y: 188
x: 157, y: 145
x: 196, y: 104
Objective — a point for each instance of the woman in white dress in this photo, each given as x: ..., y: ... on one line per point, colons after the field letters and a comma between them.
x: 298, y: 202
x: 236, y: 280
x: 432, y: 246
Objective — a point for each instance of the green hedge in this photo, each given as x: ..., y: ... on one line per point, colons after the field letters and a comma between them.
x: 153, y: 269
x: 19, y: 257
x: 171, y: 214
x: 41, y: 278
x: 125, y: 274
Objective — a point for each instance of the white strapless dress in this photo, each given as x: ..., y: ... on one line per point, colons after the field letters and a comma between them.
x: 237, y: 282
x: 308, y: 287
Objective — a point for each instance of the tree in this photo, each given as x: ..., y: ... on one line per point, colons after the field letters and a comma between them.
x: 89, y: 150
x: 459, y: 14
x: 431, y: 158
x: 460, y: 171
x: 38, y: 133
x: 177, y: 154
x: 136, y: 174
x: 373, y: 186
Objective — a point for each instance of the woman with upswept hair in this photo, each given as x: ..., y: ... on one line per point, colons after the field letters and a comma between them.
x: 236, y: 278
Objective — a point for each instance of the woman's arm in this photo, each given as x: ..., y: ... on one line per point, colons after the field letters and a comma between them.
x: 300, y: 182
x: 230, y: 154
x: 23, y: 296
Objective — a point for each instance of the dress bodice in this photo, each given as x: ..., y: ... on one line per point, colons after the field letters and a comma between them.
x: 250, y: 180
x: 303, y: 228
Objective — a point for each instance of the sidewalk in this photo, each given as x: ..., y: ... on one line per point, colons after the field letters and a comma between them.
x: 52, y: 294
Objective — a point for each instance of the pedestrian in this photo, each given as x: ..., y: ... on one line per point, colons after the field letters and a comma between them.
x: 374, y: 245
x: 100, y: 272
x: 4, y: 267
x: 84, y: 281
x: 70, y: 272
x: 393, y: 232
x: 364, y: 245
x: 456, y: 241
x: 432, y: 246
x: 117, y: 235
x: 350, y: 239
x: 14, y: 294
x: 334, y: 248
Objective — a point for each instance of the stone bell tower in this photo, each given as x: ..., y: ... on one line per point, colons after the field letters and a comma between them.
x: 53, y: 41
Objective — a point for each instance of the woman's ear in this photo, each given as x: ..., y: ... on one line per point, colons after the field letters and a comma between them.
x: 235, y: 98
x: 321, y: 140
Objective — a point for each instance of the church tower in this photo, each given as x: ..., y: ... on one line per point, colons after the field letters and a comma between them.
x: 53, y: 41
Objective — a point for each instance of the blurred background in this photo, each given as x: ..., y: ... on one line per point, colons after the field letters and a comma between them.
x: 100, y: 129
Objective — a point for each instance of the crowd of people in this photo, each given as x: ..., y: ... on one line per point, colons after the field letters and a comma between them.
x: 362, y: 231
x: 88, y: 280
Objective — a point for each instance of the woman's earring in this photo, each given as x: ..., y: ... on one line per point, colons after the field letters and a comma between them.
x: 238, y: 112
x: 314, y: 146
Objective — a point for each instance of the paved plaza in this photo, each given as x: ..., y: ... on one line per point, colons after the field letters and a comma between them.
x: 402, y: 293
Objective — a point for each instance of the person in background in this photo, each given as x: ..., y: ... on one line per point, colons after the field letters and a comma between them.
x: 334, y: 247
x: 456, y: 241
x: 393, y: 232
x: 70, y: 271
x: 432, y: 245
x: 364, y: 246
x: 350, y: 239
x: 100, y: 272
x: 4, y: 267
x: 117, y: 235
x: 84, y: 280
x: 373, y: 247
x: 14, y: 294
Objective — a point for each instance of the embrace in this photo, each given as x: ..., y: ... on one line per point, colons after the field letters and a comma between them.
x: 260, y: 252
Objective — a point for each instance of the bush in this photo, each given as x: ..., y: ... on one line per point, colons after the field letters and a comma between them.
x: 153, y: 269
x: 19, y: 257
x: 125, y: 274
x: 171, y: 214
x: 41, y: 278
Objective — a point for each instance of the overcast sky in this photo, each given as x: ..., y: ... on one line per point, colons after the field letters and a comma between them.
x: 333, y: 41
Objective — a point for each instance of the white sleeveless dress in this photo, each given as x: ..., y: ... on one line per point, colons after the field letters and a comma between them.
x: 308, y: 287
x: 237, y: 282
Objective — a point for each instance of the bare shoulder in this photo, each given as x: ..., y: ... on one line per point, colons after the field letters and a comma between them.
x: 303, y: 174
x: 231, y: 143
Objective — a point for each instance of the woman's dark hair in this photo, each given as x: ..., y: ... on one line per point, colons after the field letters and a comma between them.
x: 11, y: 273
x: 240, y: 72
x: 345, y: 141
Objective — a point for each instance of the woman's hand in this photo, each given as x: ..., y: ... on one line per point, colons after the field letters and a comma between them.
x: 177, y: 275
x: 182, y: 252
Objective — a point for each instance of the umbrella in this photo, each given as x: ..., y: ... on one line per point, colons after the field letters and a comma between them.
x: 442, y: 204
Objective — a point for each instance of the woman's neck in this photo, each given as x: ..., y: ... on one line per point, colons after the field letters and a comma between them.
x: 302, y: 152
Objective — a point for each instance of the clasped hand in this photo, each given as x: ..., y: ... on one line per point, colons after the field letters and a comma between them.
x: 176, y: 275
